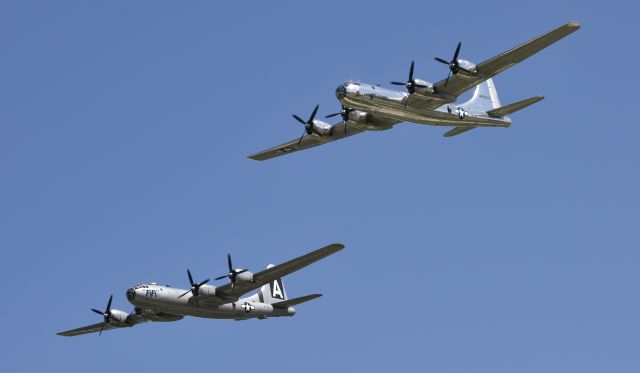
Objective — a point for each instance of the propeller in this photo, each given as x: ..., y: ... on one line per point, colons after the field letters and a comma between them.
x: 308, y: 129
x: 106, y: 313
x: 454, y: 65
x: 233, y: 273
x: 344, y: 113
x: 194, y: 287
x: 410, y: 83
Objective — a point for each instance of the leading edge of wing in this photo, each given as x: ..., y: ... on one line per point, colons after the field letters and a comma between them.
x: 288, y: 147
x: 296, y: 264
x: 495, y: 65
x: 93, y: 328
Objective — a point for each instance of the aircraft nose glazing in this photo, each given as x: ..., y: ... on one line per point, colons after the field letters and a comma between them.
x: 131, y: 294
x: 341, y: 91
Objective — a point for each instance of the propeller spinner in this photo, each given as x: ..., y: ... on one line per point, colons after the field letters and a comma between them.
x: 194, y: 287
x: 106, y: 314
x: 308, y: 126
x: 233, y: 273
x: 454, y: 64
x: 410, y: 84
x: 344, y: 113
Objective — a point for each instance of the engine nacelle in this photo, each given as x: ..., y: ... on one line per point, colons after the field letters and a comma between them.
x: 245, y: 277
x: 423, y: 87
x: 467, y: 68
x: 359, y: 117
x: 118, y: 316
x: 321, y: 128
x: 207, y: 290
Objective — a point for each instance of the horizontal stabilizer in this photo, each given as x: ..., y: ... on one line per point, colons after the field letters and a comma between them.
x: 457, y: 131
x: 512, y: 108
x: 295, y: 301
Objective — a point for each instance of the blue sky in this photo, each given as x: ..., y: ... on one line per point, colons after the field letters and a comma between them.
x: 124, y: 131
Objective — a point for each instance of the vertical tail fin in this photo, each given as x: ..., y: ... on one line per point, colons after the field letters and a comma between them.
x: 273, y: 292
x: 485, y: 98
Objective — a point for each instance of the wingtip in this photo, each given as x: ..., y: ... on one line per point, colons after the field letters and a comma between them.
x: 574, y: 24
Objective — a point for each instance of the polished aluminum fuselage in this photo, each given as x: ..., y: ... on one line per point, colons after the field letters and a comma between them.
x: 165, y: 299
x: 402, y: 107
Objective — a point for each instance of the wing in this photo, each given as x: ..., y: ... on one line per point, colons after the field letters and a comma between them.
x: 276, y: 272
x: 95, y: 328
x: 307, y: 142
x: 459, y: 84
x: 132, y: 319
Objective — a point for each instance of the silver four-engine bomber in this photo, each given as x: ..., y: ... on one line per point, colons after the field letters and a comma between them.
x: 365, y: 107
x: 370, y: 107
x: 153, y: 302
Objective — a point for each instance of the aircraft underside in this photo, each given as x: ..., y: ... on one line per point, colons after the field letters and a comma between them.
x: 398, y: 110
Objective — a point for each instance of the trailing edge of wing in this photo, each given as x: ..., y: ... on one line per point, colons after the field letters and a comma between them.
x: 512, y: 108
x: 296, y: 301
x: 457, y: 131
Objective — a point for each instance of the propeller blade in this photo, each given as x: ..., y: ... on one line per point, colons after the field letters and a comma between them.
x: 332, y: 115
x: 441, y: 60
x: 229, y: 257
x: 411, y: 72
x: 399, y: 83
x: 220, y: 278
x: 303, y: 133
x: 298, y: 119
x: 98, y: 312
x: 185, y: 293
x: 203, y: 282
x: 313, y: 115
x: 345, y: 127
x: 455, y: 55
x: 448, y: 76
x: 101, y: 327
x: 190, y: 278
x: 241, y: 271
x: 109, y: 304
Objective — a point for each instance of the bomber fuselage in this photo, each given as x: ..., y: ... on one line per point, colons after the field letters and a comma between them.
x: 402, y: 106
x: 157, y: 298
